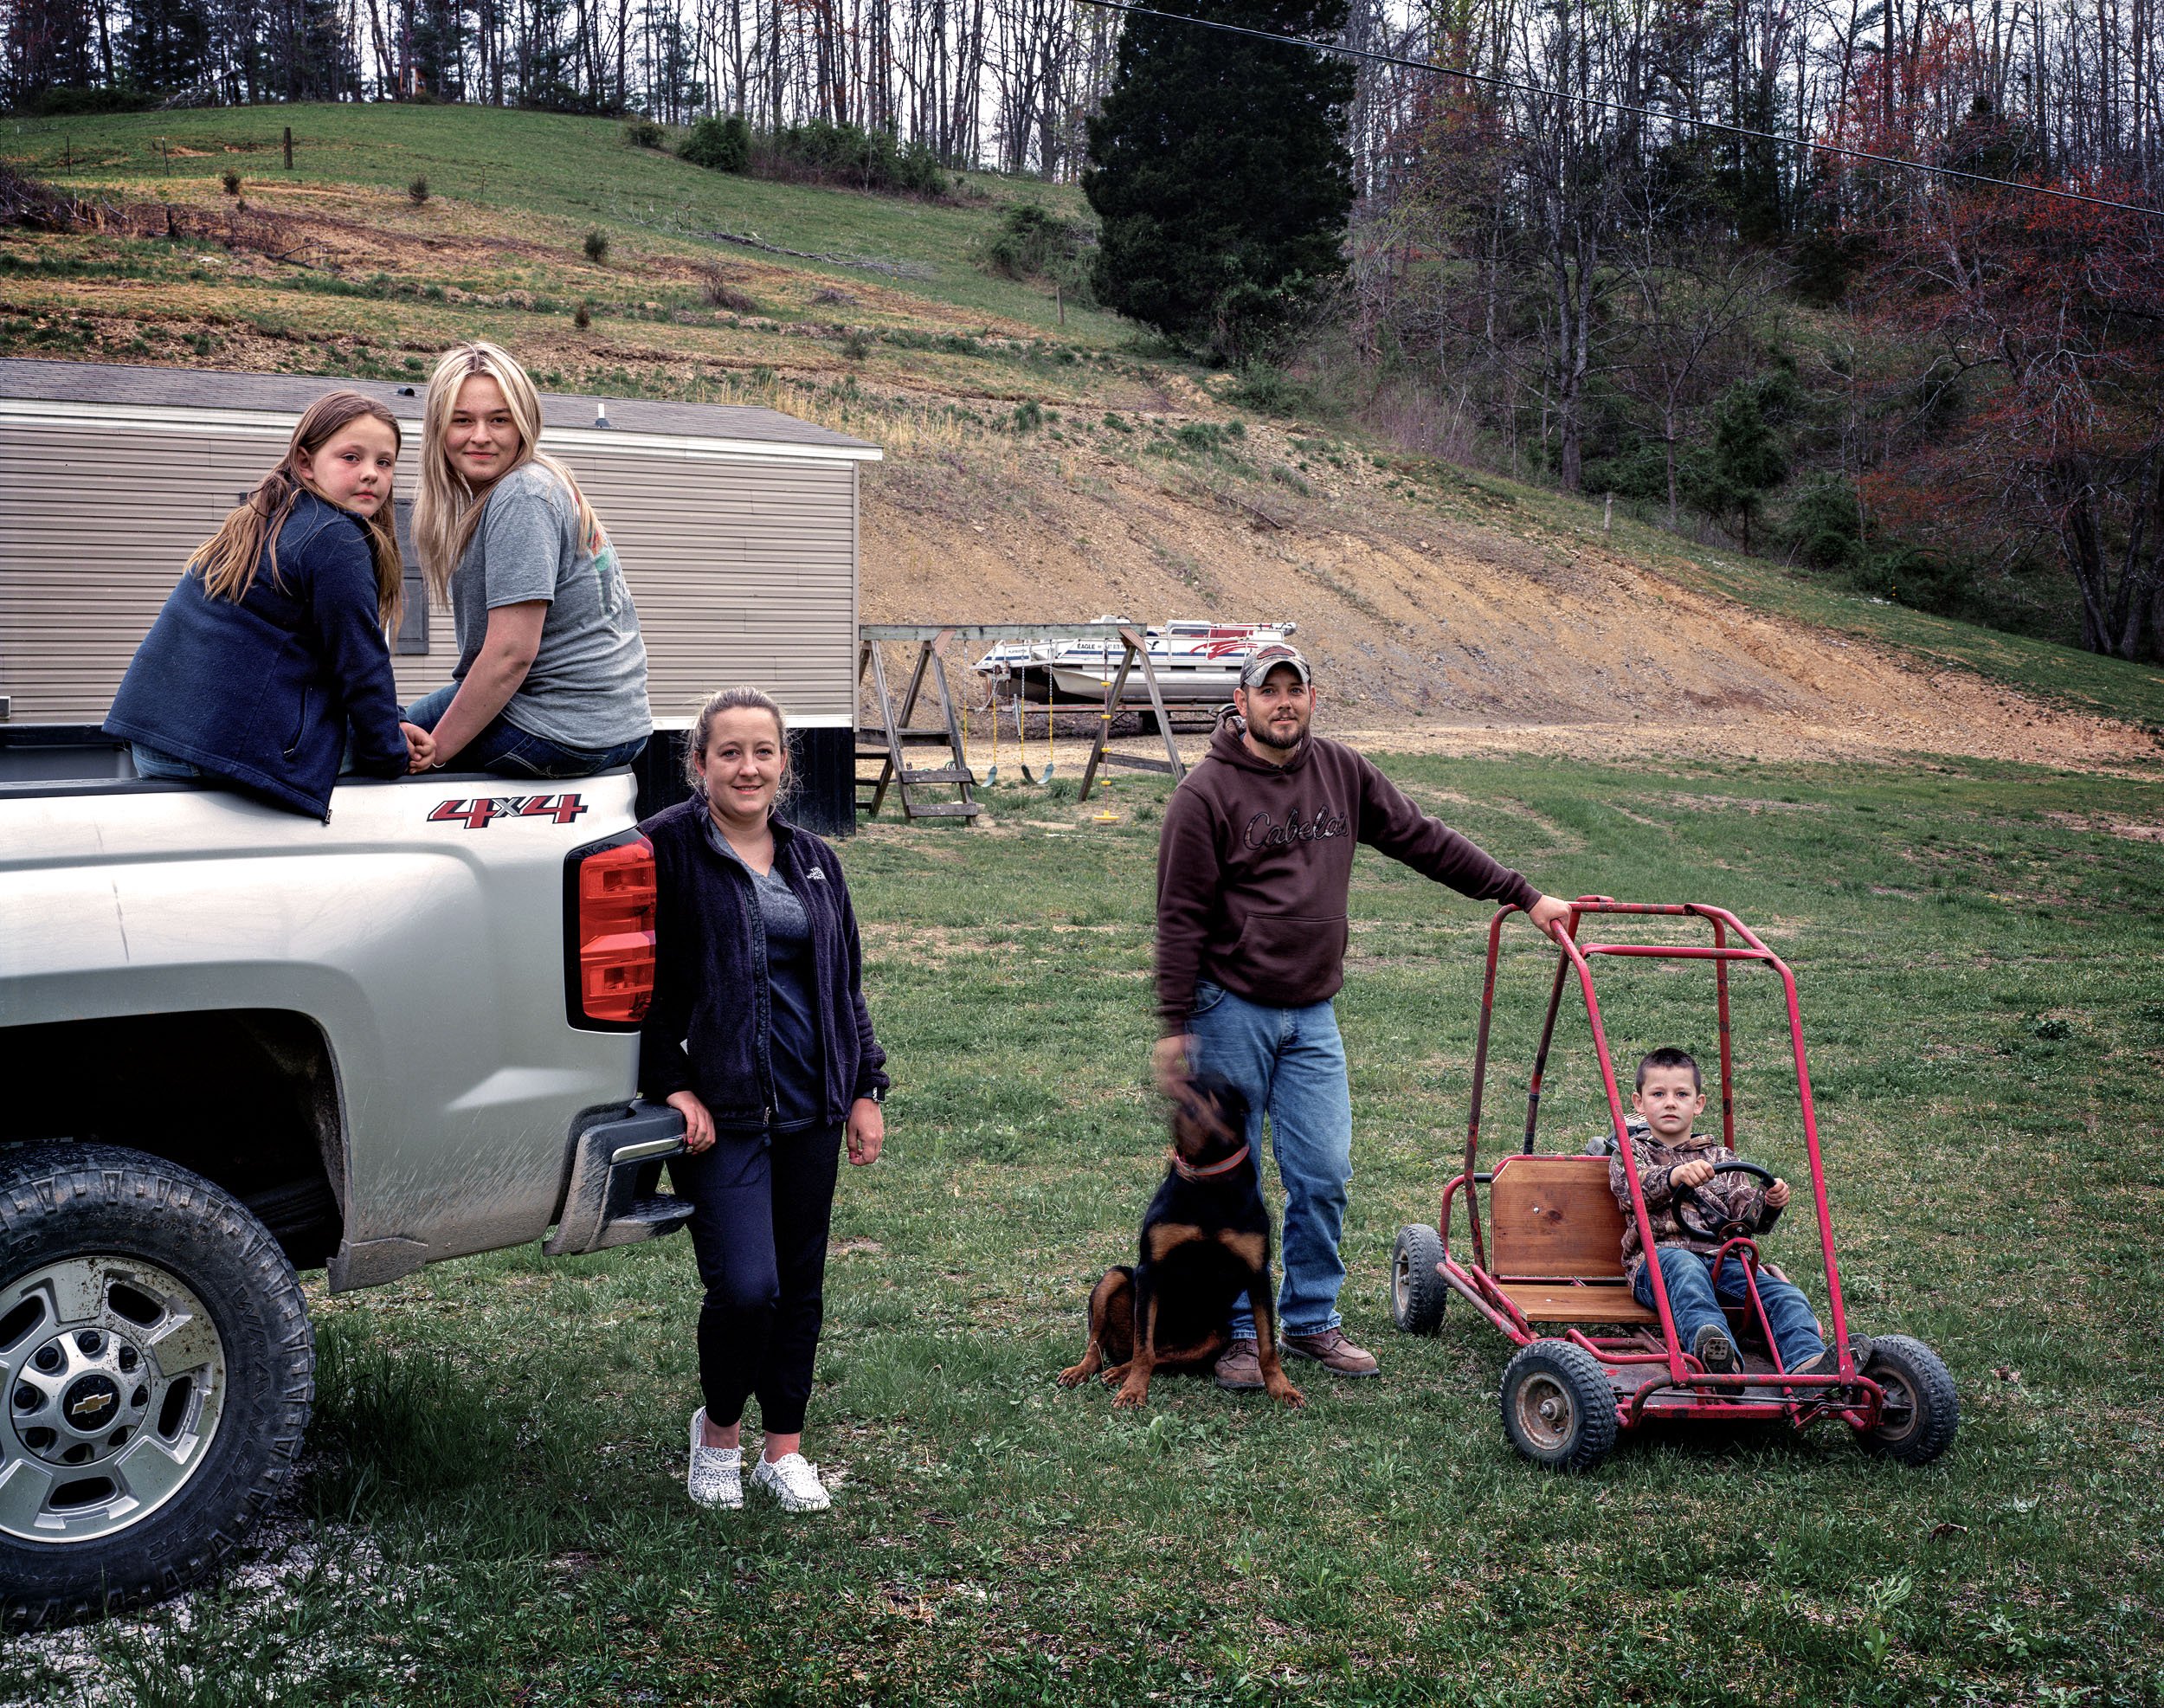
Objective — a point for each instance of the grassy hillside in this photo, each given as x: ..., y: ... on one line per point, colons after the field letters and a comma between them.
x: 1036, y: 469
x: 576, y: 174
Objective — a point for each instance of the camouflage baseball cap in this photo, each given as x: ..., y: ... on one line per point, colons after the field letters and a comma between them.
x: 1266, y: 658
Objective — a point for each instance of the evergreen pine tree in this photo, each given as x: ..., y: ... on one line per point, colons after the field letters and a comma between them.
x: 1746, y: 461
x: 44, y: 44
x: 1219, y: 172
x: 167, y: 44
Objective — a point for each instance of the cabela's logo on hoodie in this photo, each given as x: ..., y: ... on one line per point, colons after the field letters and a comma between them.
x: 1264, y: 832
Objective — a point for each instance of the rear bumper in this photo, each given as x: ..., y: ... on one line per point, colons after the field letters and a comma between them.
x: 614, y: 1197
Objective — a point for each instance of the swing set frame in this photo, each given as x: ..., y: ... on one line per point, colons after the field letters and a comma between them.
x: 889, y: 743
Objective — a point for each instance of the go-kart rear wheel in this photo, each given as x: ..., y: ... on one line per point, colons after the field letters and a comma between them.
x: 1417, y: 1293
x: 1558, y: 1407
x: 1921, y: 1411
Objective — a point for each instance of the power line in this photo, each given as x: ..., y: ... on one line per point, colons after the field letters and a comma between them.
x: 1517, y: 87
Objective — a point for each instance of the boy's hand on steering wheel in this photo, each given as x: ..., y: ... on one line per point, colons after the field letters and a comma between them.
x: 1694, y: 1173
x: 1777, y: 1195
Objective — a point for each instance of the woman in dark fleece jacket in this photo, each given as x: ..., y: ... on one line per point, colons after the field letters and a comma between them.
x: 272, y: 649
x: 758, y: 1033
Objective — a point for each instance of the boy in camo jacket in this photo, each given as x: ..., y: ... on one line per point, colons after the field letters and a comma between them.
x: 1672, y: 1156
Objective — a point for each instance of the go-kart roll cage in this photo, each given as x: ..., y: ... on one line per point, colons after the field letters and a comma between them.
x: 1689, y: 1388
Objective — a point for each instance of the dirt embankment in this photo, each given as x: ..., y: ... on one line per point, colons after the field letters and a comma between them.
x: 1430, y: 635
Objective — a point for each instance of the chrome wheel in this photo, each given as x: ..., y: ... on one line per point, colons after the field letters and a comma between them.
x: 114, y: 1379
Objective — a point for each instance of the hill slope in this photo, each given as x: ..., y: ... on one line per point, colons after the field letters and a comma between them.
x: 1040, y: 466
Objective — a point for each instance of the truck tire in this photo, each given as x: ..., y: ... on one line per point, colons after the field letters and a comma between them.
x: 156, y: 1369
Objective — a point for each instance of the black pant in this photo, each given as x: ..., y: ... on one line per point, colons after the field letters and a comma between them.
x: 761, y: 1204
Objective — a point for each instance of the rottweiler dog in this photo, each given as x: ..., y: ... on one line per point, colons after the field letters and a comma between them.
x: 1205, y: 1239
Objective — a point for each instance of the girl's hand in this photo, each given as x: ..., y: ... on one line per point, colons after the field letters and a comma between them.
x: 419, y: 747
x: 698, y: 1125
x: 867, y: 1131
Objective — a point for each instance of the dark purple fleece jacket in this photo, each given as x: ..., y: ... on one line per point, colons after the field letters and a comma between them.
x: 1255, y: 861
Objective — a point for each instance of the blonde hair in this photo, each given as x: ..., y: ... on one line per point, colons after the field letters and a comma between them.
x: 228, y: 560
x: 735, y: 699
x: 445, y: 512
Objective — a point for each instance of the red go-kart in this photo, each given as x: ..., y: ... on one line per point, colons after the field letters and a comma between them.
x: 1544, y: 1247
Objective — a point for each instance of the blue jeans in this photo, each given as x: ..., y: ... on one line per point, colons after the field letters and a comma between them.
x: 504, y: 749
x: 1692, y: 1301
x: 152, y: 763
x: 1291, y: 1063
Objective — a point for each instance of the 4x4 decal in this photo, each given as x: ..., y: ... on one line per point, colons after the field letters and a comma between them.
x: 477, y: 815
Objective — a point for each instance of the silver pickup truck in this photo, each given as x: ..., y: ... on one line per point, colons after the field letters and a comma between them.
x: 236, y: 1043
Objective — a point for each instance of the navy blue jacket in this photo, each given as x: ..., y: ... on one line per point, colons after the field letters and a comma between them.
x: 709, y: 1029
x: 260, y: 690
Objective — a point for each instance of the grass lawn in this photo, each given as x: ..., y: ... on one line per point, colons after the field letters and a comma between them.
x: 496, y: 1511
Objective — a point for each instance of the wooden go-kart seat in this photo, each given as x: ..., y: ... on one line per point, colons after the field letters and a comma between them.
x: 1555, y: 1241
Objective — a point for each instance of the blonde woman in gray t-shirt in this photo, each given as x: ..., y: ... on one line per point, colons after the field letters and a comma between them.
x: 551, y: 677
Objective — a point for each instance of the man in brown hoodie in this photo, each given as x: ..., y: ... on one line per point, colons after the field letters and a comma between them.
x: 1252, y: 870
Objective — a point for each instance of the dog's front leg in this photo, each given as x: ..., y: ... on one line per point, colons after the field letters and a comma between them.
x: 1092, y: 1358
x: 1252, y: 1250
x: 1109, y: 1299
x: 1274, y: 1381
x: 1135, y: 1390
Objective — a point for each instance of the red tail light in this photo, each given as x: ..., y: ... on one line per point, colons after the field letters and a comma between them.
x: 611, y: 963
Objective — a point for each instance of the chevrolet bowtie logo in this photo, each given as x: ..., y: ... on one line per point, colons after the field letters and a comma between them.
x: 88, y: 1407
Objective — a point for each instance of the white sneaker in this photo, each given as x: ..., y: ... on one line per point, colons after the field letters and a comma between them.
x: 717, y: 1474
x: 793, y: 1480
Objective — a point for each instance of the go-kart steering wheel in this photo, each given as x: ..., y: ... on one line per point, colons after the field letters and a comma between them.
x: 1722, y: 1228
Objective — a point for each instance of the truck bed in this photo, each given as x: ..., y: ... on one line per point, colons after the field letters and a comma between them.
x: 47, y: 759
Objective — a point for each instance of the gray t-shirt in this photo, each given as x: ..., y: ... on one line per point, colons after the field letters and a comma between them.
x: 588, y: 685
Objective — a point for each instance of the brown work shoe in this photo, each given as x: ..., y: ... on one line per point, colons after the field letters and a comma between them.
x: 1333, y: 1352
x: 1239, y: 1367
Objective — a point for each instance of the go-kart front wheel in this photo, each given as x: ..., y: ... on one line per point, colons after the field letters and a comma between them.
x: 1921, y: 1411
x: 1558, y: 1406
x: 1417, y: 1293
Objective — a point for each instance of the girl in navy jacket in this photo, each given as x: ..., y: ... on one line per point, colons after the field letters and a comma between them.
x: 272, y: 648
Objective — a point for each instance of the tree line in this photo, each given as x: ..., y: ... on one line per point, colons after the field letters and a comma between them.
x: 1951, y: 386
x: 1001, y: 83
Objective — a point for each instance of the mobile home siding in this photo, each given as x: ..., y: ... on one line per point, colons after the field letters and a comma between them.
x: 742, y: 570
